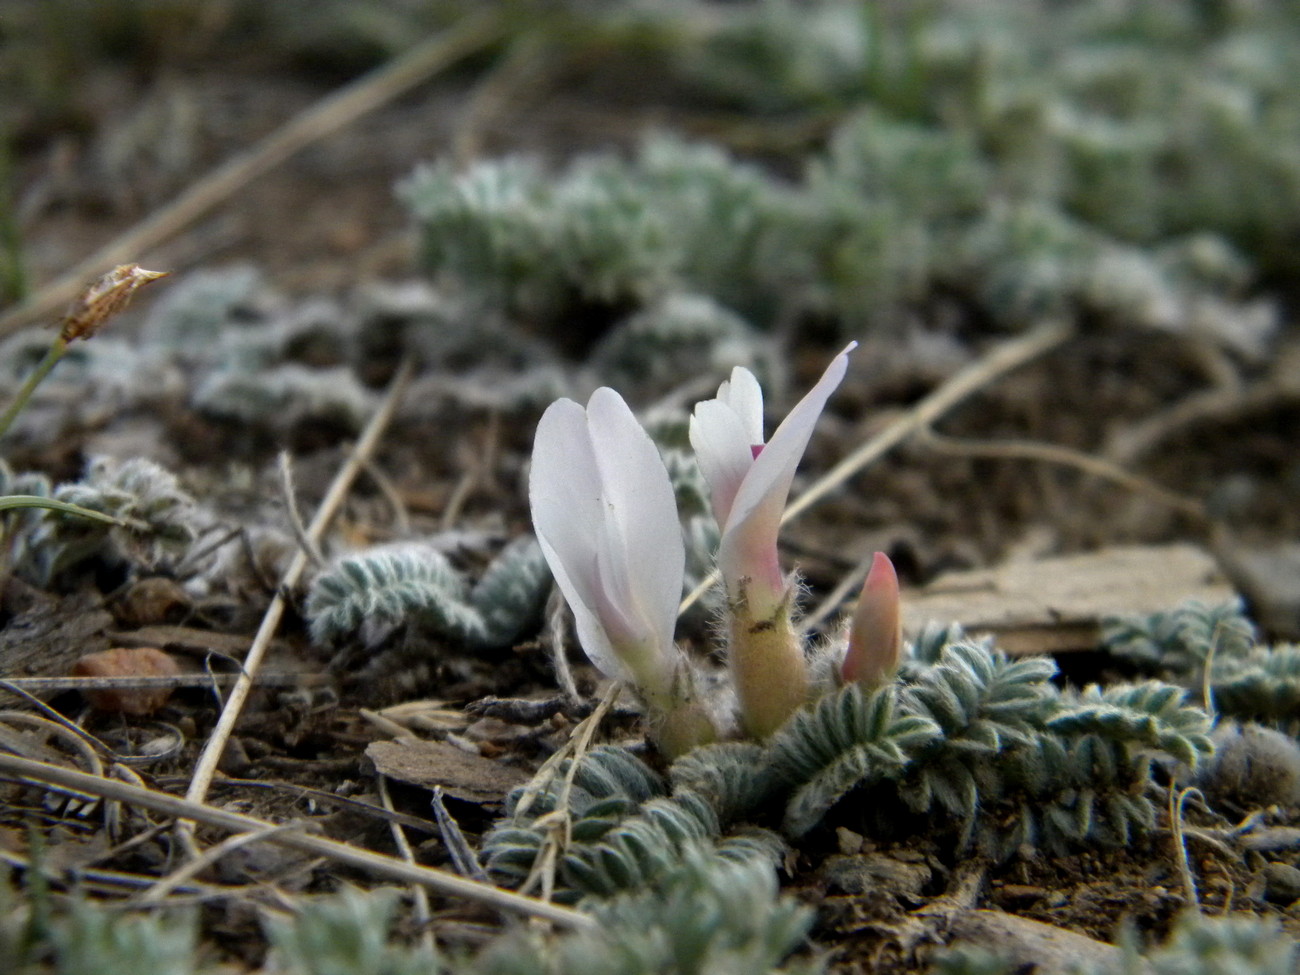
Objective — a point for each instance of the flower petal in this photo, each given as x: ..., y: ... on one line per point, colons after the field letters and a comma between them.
x: 723, y: 450
x: 755, y: 517
x: 744, y: 395
x: 648, y: 556
x: 565, y: 495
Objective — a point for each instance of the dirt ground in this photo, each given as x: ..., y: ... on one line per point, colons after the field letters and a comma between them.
x: 326, y: 223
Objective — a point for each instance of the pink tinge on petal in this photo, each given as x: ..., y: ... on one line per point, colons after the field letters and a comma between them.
x: 875, y: 639
x: 749, y: 536
x: 756, y: 449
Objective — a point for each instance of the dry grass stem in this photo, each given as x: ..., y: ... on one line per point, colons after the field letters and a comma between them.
x: 470, y: 35
x: 558, y: 823
x: 1177, y: 798
x: 837, y: 595
x: 206, y: 766
x: 419, y: 896
x: 305, y: 542
x: 56, y: 684
x: 186, y: 873
x: 82, y: 784
x: 1052, y: 454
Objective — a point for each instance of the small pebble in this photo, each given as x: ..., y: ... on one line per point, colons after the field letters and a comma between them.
x: 127, y: 662
x: 1281, y: 883
x: 1252, y: 766
x: 152, y: 600
x: 849, y: 841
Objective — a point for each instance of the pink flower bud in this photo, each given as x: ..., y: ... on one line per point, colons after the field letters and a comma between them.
x: 875, y: 637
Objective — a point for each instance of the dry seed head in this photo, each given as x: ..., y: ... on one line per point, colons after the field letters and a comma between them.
x: 104, y: 299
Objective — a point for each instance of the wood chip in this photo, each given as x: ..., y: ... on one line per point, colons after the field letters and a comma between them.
x: 435, y: 763
x: 1055, y: 605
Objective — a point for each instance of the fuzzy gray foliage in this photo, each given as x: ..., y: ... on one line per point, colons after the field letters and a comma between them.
x: 990, y: 170
x: 1179, y: 641
x: 165, y: 520
x: 845, y: 740
x: 1200, y: 944
x: 94, y: 941
x: 285, y: 397
x: 706, y: 916
x: 1262, y: 685
x: 1253, y: 767
x: 1236, y: 944
x: 933, y: 639
x: 195, y: 311
x: 677, y: 335
x: 18, y: 525
x: 627, y: 831
x: 735, y: 777
x: 1248, y: 681
x: 975, y: 740
x: 415, y: 585
x: 344, y: 934
x: 678, y: 218
x: 1007, y: 756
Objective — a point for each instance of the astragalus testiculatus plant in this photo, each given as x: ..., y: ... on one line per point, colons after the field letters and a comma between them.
x: 604, y: 512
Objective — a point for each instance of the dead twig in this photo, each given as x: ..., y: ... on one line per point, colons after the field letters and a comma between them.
x: 1066, y: 457
x: 57, y: 684
x: 518, y: 77
x: 458, y: 848
x: 80, y: 783
x: 470, y: 35
x: 305, y: 541
x: 1177, y: 798
x: 1217, y: 405
x: 558, y: 822
x: 557, y: 615
x: 419, y: 896
x: 189, y: 871
x: 206, y: 765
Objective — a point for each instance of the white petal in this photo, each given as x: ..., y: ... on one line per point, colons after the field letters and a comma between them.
x: 763, y: 494
x: 565, y: 496
x: 744, y: 395
x: 723, y: 450
x: 647, y: 555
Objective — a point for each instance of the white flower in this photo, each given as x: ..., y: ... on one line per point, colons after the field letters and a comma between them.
x: 750, y: 481
x: 605, y: 515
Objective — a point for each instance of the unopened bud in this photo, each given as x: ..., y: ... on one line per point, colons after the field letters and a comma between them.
x: 875, y: 637
x: 104, y: 299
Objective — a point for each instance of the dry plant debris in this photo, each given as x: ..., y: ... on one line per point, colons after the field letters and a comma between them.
x: 1075, y: 378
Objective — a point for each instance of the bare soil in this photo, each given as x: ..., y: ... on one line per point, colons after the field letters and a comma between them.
x: 327, y: 221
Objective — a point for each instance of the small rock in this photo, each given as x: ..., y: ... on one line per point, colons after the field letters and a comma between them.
x: 1252, y: 766
x: 153, y: 600
x: 1033, y: 945
x: 1281, y: 883
x: 127, y: 662
x: 849, y: 841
